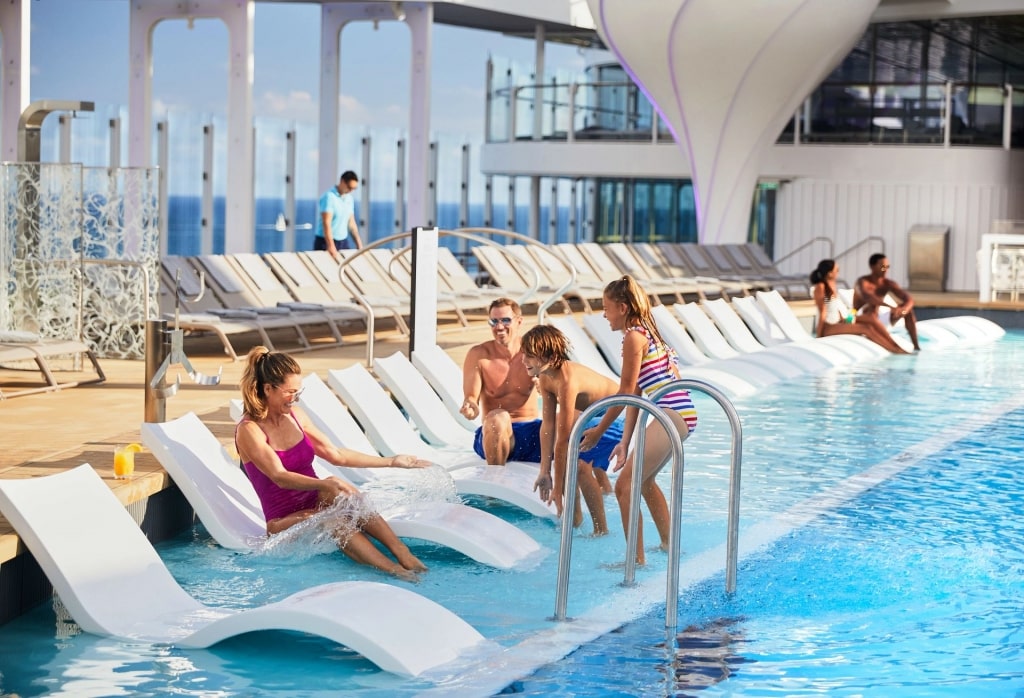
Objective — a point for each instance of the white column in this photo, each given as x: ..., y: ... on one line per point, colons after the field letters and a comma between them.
x: 15, y: 28
x: 420, y: 19
x: 237, y: 16
x: 239, y: 215
x: 333, y: 18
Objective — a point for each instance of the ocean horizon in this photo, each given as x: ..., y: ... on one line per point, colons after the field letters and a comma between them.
x: 184, y: 223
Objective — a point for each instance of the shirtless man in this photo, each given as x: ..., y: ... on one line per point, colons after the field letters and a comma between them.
x: 869, y: 297
x: 497, y: 386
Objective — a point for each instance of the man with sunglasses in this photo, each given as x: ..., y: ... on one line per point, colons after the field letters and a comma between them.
x: 500, y: 391
x: 870, y: 293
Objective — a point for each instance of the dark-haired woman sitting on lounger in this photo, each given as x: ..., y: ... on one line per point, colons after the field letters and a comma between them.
x: 831, y: 319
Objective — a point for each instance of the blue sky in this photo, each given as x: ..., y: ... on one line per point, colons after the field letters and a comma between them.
x: 80, y: 51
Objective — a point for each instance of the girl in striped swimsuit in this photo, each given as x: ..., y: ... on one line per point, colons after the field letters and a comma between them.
x: 647, y: 365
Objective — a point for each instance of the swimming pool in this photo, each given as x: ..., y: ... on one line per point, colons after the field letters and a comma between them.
x: 837, y: 563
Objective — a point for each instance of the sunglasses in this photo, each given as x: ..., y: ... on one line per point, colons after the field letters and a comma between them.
x: 495, y: 321
x: 293, y: 396
x: 884, y: 267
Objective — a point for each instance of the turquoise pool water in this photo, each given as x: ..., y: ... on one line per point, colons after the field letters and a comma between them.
x: 838, y: 558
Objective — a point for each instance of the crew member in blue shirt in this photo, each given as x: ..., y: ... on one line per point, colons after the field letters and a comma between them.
x: 336, y: 227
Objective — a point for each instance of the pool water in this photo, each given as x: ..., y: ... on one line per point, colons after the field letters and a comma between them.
x: 858, y: 542
x: 914, y: 589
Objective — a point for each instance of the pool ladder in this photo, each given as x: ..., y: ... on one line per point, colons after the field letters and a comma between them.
x: 649, y: 407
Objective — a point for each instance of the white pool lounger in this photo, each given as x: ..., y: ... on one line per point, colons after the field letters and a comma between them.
x: 227, y: 504
x: 418, y: 399
x: 740, y: 338
x: 714, y: 345
x: 114, y: 583
x: 390, y: 433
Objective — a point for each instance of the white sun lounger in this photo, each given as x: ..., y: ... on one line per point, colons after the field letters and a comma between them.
x: 390, y: 433
x: 582, y: 349
x: 778, y: 309
x: 768, y: 332
x: 445, y: 377
x: 421, y: 403
x: 740, y: 338
x: 226, y: 502
x: 733, y: 377
x: 715, y: 346
x: 114, y: 583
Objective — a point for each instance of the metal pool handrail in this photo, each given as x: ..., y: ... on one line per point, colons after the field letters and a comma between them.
x: 675, y: 505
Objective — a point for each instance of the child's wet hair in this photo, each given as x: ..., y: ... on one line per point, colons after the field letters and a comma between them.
x: 547, y: 343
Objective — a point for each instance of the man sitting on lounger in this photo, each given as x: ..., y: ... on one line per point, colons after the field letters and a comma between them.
x: 498, y: 388
x: 869, y: 297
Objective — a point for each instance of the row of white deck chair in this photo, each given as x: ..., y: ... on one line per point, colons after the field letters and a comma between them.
x: 250, y: 293
x: 751, y: 342
x: 670, y: 272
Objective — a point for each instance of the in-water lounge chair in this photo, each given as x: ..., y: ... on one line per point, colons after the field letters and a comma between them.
x: 228, y: 506
x: 742, y: 340
x: 114, y: 583
x: 391, y: 433
x: 779, y: 311
x: 714, y: 345
x: 445, y: 377
x: 421, y: 403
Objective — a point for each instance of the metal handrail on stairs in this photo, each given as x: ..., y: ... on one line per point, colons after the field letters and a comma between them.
x: 649, y: 407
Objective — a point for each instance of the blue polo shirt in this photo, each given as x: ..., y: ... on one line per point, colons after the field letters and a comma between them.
x: 341, y: 207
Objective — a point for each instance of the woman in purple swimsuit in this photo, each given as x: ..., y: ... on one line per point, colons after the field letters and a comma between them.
x: 276, y: 443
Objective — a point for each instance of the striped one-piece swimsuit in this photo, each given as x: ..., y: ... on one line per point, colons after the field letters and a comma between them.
x: 657, y: 370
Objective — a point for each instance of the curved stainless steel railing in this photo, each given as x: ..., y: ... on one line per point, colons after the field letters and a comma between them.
x: 649, y: 407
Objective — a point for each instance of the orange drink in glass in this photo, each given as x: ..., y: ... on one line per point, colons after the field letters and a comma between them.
x: 124, y: 461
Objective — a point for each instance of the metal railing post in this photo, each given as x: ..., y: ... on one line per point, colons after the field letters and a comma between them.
x: 672, y: 575
x: 158, y: 346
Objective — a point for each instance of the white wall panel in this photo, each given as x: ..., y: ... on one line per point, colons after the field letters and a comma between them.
x: 849, y: 212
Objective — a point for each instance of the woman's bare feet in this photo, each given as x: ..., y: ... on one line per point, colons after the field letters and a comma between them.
x: 410, y: 562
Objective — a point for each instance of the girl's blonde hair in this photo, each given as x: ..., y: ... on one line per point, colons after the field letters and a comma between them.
x: 638, y: 307
x: 262, y: 368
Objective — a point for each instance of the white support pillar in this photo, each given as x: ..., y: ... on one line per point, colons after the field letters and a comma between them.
x: 163, y: 157
x: 237, y: 16
x: 114, y: 158
x: 400, y: 186
x: 538, y: 83
x: 533, y: 219
x: 420, y: 19
x: 15, y: 52
x: 289, y: 192
x: 365, y: 189
x: 64, y: 140
x: 239, y: 214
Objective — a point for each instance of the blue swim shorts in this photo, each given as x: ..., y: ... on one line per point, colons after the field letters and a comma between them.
x: 525, y: 441
x: 598, y: 456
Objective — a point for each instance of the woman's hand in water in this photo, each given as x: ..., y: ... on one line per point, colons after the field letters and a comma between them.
x: 333, y: 487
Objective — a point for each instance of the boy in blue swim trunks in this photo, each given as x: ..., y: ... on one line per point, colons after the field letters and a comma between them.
x: 573, y: 387
x: 500, y: 392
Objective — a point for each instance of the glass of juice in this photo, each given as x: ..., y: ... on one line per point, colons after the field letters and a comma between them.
x: 124, y: 462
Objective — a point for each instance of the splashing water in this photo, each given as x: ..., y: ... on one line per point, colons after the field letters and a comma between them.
x: 325, y: 532
x: 411, y: 487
